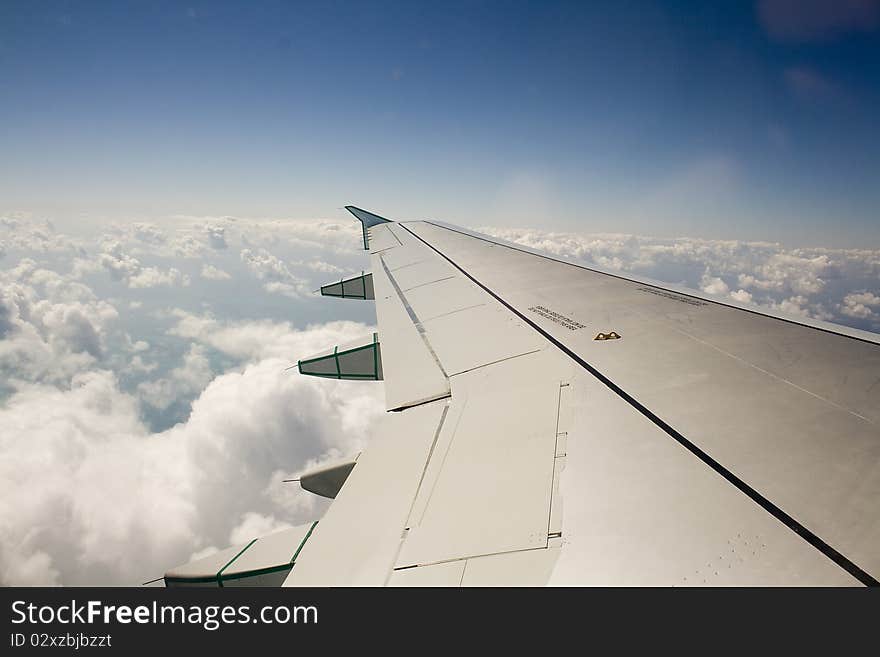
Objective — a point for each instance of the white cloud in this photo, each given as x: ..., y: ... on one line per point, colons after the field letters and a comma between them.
x: 864, y: 297
x: 193, y: 374
x: 214, y: 274
x: 216, y: 236
x: 151, y: 277
x: 793, y: 306
x: 137, y: 364
x: 255, y: 524
x: 89, y: 493
x: 320, y: 266
x: 861, y: 305
x: 276, y: 277
x: 253, y: 340
x: 113, y: 503
x: 713, y: 285
x: 120, y: 265
x: 187, y: 246
x: 33, y: 236
x: 149, y: 233
x: 127, y: 269
x: 51, y: 327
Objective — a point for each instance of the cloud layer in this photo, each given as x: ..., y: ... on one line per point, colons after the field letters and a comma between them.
x: 139, y: 425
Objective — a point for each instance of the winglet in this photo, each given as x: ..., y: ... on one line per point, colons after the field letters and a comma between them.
x: 367, y: 220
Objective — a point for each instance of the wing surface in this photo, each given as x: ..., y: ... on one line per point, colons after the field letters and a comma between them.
x: 592, y: 429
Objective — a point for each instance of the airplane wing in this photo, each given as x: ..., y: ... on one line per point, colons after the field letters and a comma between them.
x: 551, y: 423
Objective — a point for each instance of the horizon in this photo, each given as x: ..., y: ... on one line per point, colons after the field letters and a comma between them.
x: 744, y: 121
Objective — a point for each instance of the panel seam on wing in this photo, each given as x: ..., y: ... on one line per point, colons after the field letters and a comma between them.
x: 414, y: 318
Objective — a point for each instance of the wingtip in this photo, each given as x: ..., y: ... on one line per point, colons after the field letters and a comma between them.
x: 367, y: 217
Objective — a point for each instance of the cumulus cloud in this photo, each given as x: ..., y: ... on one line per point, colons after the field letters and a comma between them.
x: 862, y: 305
x: 93, y: 497
x: 151, y: 277
x: 127, y: 269
x: 216, y: 236
x: 214, y: 274
x: 311, y: 237
x: 713, y: 285
x: 91, y: 491
x: 249, y: 340
x: 321, y: 266
x: 51, y: 327
x: 255, y: 524
x: 193, y: 374
x: 742, y: 296
x: 187, y: 246
x: 34, y: 236
x: 138, y: 364
x: 274, y: 273
x: 149, y: 233
x: 140, y: 345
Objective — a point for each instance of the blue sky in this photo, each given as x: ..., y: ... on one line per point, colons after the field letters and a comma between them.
x: 736, y: 120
